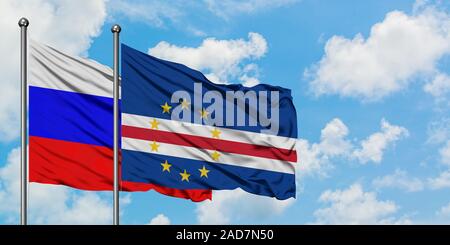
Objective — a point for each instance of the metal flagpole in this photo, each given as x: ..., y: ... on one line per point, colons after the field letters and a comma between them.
x: 23, y: 23
x: 116, y: 30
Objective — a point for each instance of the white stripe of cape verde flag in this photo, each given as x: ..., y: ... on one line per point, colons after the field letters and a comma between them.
x: 53, y: 69
x: 205, y: 131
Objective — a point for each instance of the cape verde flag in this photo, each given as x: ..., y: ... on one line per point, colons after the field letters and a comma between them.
x: 71, y: 124
x: 182, y: 131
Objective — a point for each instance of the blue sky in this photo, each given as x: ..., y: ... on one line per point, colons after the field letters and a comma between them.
x: 370, y: 82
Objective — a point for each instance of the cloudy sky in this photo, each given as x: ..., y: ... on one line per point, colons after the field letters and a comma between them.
x: 370, y: 81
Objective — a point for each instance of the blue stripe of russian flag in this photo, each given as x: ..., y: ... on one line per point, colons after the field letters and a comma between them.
x: 70, y: 116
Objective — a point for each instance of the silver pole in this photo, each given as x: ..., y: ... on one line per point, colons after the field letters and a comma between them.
x: 116, y: 30
x: 23, y: 23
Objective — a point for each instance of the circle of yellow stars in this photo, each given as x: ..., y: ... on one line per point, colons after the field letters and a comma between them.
x: 215, y: 133
x: 166, y: 166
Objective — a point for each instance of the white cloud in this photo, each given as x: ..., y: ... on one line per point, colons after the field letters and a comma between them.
x: 354, y: 206
x: 373, y: 147
x: 333, y: 140
x: 249, y: 81
x: 50, y: 204
x: 396, y: 50
x: 311, y: 161
x: 314, y: 159
x: 439, y: 86
x: 160, y: 219
x: 228, y: 8
x: 60, y: 205
x: 236, y: 206
x: 67, y: 25
x: 399, y: 179
x: 439, y: 134
x: 445, y: 153
x: 9, y: 110
x: 9, y: 183
x: 441, y: 181
x: 178, y: 13
x: 444, y: 211
x: 439, y: 131
x: 250, y: 75
x: 221, y: 68
x: 154, y: 13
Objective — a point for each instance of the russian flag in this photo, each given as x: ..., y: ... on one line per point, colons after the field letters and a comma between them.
x: 71, y: 125
x: 182, y: 131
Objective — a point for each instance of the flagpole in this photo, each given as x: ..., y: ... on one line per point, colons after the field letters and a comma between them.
x: 23, y: 23
x: 116, y: 30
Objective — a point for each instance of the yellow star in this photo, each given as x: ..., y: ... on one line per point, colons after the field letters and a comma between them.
x: 216, y: 133
x: 185, y: 104
x: 154, y: 124
x: 154, y: 146
x: 166, y: 108
x: 215, y: 155
x: 204, y: 172
x: 185, y: 176
x: 166, y: 166
x: 204, y: 113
